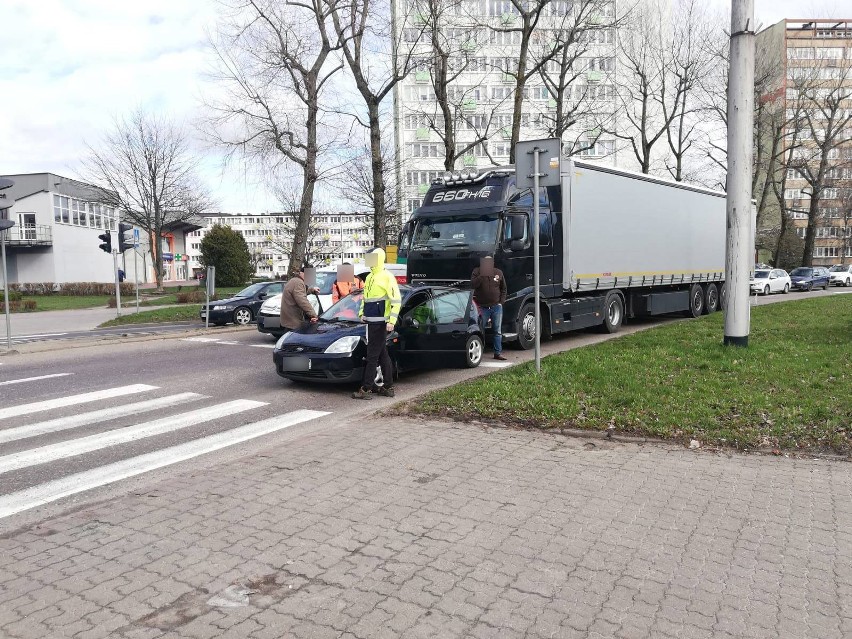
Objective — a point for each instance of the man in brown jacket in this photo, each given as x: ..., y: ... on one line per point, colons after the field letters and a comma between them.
x: 489, y: 293
x: 295, y: 307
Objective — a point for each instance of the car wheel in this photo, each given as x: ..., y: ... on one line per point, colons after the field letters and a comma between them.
x: 711, y: 299
x: 526, y: 326
x: 473, y: 351
x: 613, y: 313
x: 786, y: 289
x: 848, y: 282
x: 696, y: 301
x: 242, y: 316
x: 766, y: 290
x: 825, y: 288
x: 809, y: 287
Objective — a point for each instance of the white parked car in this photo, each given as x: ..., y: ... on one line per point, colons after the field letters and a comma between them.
x: 841, y: 275
x: 766, y: 281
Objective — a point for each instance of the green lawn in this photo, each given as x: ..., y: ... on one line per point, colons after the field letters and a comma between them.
x: 66, y: 302
x: 790, y: 389
x: 160, y: 315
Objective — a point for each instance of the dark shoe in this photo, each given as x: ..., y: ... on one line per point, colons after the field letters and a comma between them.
x: 362, y: 394
x: 385, y: 391
x: 500, y: 357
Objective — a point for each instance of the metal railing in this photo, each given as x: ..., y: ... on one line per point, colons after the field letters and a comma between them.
x: 31, y: 235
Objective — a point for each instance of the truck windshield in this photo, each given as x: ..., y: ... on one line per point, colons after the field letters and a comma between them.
x: 443, y: 233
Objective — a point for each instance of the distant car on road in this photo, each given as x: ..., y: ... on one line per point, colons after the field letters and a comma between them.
x: 773, y: 280
x: 438, y: 326
x: 841, y: 275
x: 807, y: 278
x: 243, y: 307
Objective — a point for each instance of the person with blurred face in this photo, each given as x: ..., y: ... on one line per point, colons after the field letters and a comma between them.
x: 379, y: 309
x: 489, y: 293
x: 295, y: 307
x: 346, y: 282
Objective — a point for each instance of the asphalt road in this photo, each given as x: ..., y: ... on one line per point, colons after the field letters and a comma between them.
x: 194, y: 387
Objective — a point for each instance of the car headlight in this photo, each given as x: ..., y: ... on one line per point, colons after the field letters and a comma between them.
x: 344, y: 345
x: 283, y: 339
x: 220, y: 308
x: 270, y: 307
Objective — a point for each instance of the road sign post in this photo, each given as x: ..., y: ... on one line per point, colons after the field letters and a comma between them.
x: 4, y: 226
x: 210, y: 285
x: 117, y: 283
x: 529, y: 172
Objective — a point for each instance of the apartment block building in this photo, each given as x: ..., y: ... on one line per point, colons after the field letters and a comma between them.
x: 333, y: 238
x: 481, y: 44
x: 812, y: 63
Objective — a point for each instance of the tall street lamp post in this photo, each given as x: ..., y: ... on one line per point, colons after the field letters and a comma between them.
x: 4, y: 225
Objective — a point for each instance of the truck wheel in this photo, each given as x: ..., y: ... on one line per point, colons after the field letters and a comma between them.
x: 696, y: 301
x: 723, y: 296
x: 711, y: 298
x: 526, y: 326
x: 613, y: 313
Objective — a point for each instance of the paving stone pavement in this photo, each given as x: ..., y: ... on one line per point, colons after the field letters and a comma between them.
x: 417, y: 529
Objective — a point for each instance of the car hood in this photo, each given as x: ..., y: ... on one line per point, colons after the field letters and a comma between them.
x: 231, y: 301
x: 323, y: 334
x: 801, y: 278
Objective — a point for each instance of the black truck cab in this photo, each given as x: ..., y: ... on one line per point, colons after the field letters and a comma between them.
x: 464, y: 218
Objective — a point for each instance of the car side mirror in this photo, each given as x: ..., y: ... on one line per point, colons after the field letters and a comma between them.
x: 262, y: 296
x: 408, y: 321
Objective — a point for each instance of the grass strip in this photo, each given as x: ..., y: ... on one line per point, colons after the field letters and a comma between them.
x: 791, y: 389
x: 159, y: 316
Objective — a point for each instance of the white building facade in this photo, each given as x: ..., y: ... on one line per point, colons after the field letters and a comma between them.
x: 483, y: 65
x: 333, y: 238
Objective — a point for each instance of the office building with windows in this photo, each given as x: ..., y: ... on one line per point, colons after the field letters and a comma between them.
x: 476, y: 39
x: 811, y: 61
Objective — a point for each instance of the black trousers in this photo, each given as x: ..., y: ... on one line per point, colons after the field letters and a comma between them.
x: 377, y: 355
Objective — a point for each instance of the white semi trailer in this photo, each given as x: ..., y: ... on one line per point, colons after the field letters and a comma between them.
x: 613, y: 244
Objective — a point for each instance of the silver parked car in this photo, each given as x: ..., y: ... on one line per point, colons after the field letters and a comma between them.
x: 841, y: 275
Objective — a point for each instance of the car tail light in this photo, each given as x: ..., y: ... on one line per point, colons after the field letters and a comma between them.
x: 402, y: 279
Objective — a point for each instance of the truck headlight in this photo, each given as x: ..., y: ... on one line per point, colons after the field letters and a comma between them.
x: 344, y: 345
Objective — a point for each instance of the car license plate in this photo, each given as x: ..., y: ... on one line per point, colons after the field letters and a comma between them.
x: 297, y: 364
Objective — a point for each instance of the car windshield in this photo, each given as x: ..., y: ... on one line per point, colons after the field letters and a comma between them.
x: 250, y: 291
x: 761, y: 275
x: 325, y: 281
x: 442, y: 233
x: 345, y: 310
x: 839, y: 269
x: 802, y: 272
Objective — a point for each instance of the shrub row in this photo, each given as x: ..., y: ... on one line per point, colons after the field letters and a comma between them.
x: 14, y: 296
x: 17, y: 306
x: 192, y: 297
x: 69, y: 288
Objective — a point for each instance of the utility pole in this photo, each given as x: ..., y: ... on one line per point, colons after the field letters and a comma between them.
x: 740, y: 241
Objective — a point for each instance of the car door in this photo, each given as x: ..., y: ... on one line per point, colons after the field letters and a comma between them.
x: 415, y: 325
x: 823, y: 277
x: 451, y: 310
x: 776, y: 284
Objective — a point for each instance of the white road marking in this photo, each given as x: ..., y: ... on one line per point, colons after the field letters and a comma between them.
x: 34, y: 379
x: 95, y: 417
x: 73, y: 400
x: 14, y: 337
x: 74, y: 447
x: 263, y: 345
x: 231, y: 343
x: 199, y: 339
x: 495, y: 364
x: 89, y: 479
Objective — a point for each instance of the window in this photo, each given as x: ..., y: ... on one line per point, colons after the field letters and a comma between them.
x: 795, y: 194
x: 539, y: 93
x: 800, y: 53
x: 500, y: 149
x: 413, y: 204
x: 451, y: 308
x: 826, y: 251
x: 800, y: 231
x: 501, y: 93
x: 560, y: 8
x: 601, y: 64
x: 597, y: 36
x: 423, y: 151
x: 505, y: 38
x: 417, y: 178
x: 61, y: 207
x: 829, y: 194
x: 599, y: 149
x: 501, y: 7
x: 419, y: 93
x: 829, y: 53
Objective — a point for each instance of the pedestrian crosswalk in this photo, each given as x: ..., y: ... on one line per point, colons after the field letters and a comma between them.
x: 154, y: 419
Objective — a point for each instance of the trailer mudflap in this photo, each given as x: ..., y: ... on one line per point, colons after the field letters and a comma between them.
x: 661, y: 303
x: 573, y: 314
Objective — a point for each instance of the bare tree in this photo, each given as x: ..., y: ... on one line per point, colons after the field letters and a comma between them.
x: 146, y: 170
x: 275, y: 60
x: 357, y: 189
x: 365, y: 30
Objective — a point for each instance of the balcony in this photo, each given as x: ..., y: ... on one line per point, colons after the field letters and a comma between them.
x: 30, y: 235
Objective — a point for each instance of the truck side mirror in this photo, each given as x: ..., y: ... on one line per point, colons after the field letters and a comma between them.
x: 517, y: 228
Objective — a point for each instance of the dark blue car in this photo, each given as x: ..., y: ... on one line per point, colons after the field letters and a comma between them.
x: 807, y: 278
x: 438, y: 326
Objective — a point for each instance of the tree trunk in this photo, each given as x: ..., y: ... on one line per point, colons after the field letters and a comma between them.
x: 520, y: 83
x: 810, y: 233
x: 377, y: 163
x: 298, y: 251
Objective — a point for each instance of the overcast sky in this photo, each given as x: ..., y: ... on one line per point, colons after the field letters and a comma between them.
x: 70, y: 66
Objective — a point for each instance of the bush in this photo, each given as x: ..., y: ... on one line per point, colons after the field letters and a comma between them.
x: 19, y: 306
x: 14, y: 296
x: 192, y: 297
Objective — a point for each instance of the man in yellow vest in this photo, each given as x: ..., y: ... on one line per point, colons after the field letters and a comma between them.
x: 379, y: 308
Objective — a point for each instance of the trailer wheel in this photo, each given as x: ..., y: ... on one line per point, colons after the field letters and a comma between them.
x: 711, y: 298
x: 696, y: 301
x: 613, y: 313
x: 526, y: 326
x: 723, y: 296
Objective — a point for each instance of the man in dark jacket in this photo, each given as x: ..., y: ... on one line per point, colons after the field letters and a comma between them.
x: 295, y: 307
x: 489, y: 292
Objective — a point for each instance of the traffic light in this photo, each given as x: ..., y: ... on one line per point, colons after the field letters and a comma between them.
x: 5, y: 201
x: 125, y: 243
x: 106, y: 238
